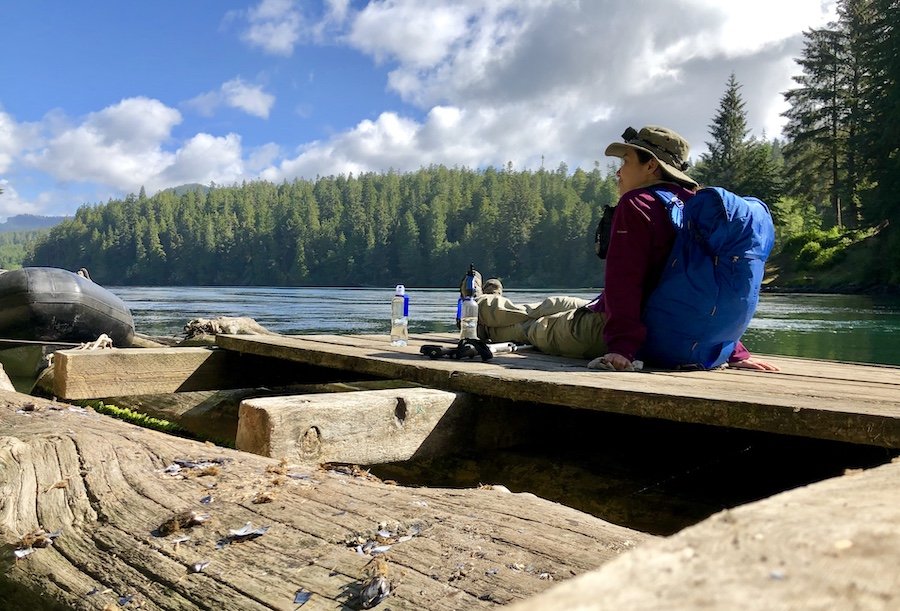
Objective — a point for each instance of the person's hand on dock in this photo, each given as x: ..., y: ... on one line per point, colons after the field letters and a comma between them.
x: 611, y: 361
x: 753, y: 365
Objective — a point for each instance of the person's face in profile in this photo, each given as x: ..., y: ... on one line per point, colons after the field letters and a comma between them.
x: 633, y: 174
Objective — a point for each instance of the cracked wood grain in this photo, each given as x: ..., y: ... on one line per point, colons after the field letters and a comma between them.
x: 470, y: 548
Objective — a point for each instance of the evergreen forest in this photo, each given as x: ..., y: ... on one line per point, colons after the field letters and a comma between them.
x: 832, y: 185
x: 421, y: 229
x: 15, y: 245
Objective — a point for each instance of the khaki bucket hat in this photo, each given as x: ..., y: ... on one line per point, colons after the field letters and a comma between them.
x: 665, y: 145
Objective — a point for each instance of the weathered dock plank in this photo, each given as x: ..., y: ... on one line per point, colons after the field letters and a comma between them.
x: 107, y: 487
x: 843, y: 402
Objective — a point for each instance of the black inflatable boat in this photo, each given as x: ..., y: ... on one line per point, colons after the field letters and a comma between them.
x: 55, y: 305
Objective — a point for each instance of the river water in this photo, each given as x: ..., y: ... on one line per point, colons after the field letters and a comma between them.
x: 855, y: 328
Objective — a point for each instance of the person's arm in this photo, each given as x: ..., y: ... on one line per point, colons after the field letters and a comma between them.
x: 742, y: 359
x: 628, y: 265
x: 740, y: 353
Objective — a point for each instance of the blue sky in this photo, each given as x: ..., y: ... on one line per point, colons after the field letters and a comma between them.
x: 99, y: 98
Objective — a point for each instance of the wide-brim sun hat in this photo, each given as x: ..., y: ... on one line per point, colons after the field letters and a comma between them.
x: 663, y: 144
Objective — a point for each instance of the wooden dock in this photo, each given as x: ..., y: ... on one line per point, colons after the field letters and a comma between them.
x: 809, y: 398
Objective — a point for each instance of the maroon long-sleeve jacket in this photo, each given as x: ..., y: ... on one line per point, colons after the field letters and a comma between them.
x: 642, y: 237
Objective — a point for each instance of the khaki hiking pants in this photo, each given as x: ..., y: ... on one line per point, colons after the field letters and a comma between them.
x: 557, y: 325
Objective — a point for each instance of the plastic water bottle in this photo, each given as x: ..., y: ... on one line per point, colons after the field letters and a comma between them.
x: 400, y: 317
x: 468, y: 325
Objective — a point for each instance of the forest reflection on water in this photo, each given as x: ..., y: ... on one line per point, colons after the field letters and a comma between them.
x: 855, y: 328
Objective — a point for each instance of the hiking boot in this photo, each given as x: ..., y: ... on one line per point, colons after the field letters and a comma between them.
x: 493, y: 286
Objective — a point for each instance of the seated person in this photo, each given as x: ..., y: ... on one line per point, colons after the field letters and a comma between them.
x: 609, y: 329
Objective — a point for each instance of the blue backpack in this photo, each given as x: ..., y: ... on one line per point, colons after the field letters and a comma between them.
x: 710, y: 287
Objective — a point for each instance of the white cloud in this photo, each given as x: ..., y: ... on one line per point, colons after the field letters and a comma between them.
x: 262, y: 157
x: 747, y: 27
x: 499, y: 51
x: 235, y: 93
x: 560, y: 79
x: 205, y: 103
x: 413, y: 34
x: 133, y: 123
x: 119, y: 146
x: 122, y: 146
x: 203, y: 159
x: 249, y: 98
x: 337, y: 10
x: 278, y: 26
x: 9, y: 141
x: 11, y: 204
x: 448, y: 135
x: 14, y: 138
x: 274, y: 26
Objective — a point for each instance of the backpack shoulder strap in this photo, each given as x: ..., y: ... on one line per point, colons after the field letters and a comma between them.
x: 674, y: 205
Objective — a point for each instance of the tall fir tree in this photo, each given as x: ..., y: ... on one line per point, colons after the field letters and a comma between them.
x: 728, y: 131
x: 829, y: 113
x: 855, y: 19
x: 735, y: 160
x: 881, y: 137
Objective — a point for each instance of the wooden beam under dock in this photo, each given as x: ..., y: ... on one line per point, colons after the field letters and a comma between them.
x: 366, y: 427
x: 96, y: 374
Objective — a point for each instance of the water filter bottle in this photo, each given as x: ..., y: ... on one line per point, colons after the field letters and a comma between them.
x: 468, y: 326
x: 400, y: 317
x: 467, y: 309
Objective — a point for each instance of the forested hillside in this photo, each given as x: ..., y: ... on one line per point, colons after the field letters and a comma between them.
x: 15, y: 245
x: 19, y: 233
x: 421, y: 229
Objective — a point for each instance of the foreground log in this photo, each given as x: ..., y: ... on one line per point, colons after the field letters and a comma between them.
x: 831, y: 545
x: 106, y: 495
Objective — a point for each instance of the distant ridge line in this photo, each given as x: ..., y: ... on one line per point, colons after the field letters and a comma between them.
x: 30, y: 222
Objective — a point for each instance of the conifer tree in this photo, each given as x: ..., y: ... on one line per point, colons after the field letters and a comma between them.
x: 828, y: 114
x: 736, y: 161
x: 855, y: 19
x: 880, y: 139
x: 728, y: 131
